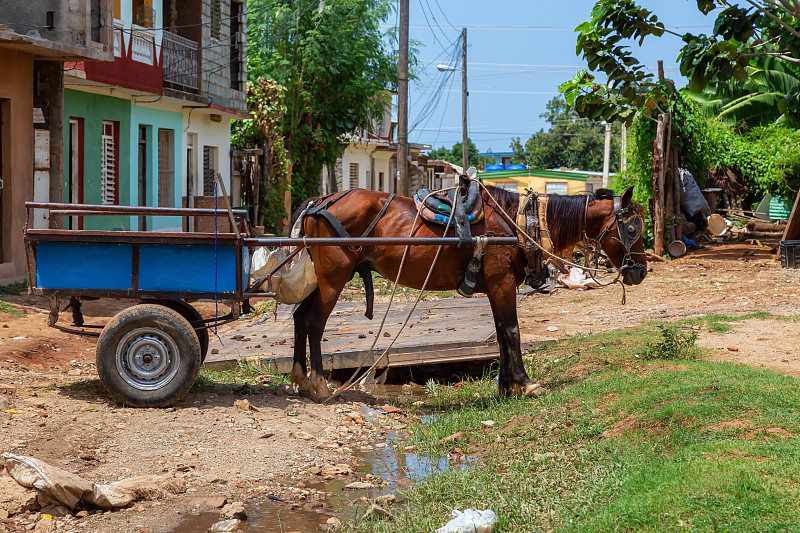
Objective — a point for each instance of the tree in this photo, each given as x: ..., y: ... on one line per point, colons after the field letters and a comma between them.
x: 454, y: 155
x: 740, y: 37
x: 570, y: 141
x: 332, y: 61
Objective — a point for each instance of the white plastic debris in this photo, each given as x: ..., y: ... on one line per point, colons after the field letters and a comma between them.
x: 470, y: 521
x: 577, y: 280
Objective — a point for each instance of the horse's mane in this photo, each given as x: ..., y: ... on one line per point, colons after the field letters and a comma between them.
x: 566, y: 215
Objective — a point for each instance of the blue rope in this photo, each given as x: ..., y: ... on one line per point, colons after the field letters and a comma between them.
x: 216, y: 265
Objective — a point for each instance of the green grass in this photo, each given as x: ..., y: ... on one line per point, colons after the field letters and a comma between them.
x: 246, y: 374
x: 6, y: 307
x: 618, y: 443
x: 354, y: 290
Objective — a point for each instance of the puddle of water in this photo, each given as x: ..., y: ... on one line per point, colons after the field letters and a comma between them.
x: 263, y: 517
x: 398, y: 469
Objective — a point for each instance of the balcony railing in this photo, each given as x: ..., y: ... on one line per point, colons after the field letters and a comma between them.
x: 143, y: 45
x: 117, y: 39
x: 179, y: 61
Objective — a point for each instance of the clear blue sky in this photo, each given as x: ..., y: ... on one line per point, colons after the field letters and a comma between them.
x: 518, y: 54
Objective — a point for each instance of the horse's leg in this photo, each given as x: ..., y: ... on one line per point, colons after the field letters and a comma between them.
x: 513, y: 377
x: 503, y: 376
x: 301, y: 327
x: 328, y: 293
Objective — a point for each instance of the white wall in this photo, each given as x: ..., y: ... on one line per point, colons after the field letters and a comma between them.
x: 217, y: 134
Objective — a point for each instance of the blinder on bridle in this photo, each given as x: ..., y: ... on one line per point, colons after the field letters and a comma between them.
x: 630, y: 226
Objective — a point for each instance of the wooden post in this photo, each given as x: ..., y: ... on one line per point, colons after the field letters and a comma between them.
x: 792, y: 231
x: 658, y: 186
x: 402, y: 103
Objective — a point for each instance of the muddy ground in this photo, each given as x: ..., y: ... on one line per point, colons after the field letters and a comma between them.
x: 61, y: 414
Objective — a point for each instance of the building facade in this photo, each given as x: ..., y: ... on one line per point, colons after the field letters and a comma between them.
x: 152, y: 128
x: 542, y: 181
x: 36, y: 38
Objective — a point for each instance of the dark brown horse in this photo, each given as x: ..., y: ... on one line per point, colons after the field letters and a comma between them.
x: 571, y: 219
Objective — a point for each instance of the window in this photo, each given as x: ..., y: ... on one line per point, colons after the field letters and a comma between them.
x: 109, y: 159
x: 216, y: 20
x: 353, y: 175
x: 209, y: 169
x: 512, y: 187
x: 380, y: 181
x: 143, y: 13
x: 166, y: 168
x: 555, y: 188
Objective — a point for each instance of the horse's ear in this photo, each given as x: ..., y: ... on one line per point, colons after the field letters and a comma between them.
x: 627, y: 197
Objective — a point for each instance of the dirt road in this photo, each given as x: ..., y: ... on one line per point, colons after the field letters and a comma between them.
x: 62, y: 415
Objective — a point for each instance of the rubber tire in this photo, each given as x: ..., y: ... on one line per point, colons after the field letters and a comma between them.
x: 192, y: 315
x: 167, y: 321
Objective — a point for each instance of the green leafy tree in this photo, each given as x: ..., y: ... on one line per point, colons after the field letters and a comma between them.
x: 454, y: 154
x: 741, y: 36
x: 570, y: 141
x: 332, y: 60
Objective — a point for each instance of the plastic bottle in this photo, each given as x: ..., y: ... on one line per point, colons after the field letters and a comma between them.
x: 370, y: 415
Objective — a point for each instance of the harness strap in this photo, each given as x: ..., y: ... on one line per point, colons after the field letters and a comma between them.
x: 380, y: 215
x: 546, y: 242
x: 322, y: 209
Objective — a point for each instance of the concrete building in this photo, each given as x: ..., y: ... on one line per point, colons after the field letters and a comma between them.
x: 543, y: 181
x: 36, y: 37
x: 152, y: 128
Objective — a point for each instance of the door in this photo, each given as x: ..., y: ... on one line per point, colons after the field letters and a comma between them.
x: 191, y: 172
x: 3, y: 135
x: 142, y: 174
x: 75, y: 169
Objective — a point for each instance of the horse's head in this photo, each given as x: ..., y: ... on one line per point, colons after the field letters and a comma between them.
x: 617, y: 224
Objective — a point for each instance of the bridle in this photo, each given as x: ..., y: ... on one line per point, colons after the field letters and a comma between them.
x: 630, y: 226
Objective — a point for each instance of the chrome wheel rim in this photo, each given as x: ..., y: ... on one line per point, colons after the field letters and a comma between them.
x: 147, y: 359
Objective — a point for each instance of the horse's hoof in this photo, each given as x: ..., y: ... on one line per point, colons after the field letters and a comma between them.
x: 529, y: 390
x: 300, y: 380
x: 320, y: 388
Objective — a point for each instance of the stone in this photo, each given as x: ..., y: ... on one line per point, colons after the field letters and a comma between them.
x: 391, y: 409
x: 284, y: 389
x: 315, y: 470
x: 210, y: 502
x: 267, y: 435
x: 244, y: 405
x: 733, y: 349
x: 358, y: 485
x: 74, y: 372
x: 386, y: 499
x: 376, y: 512
x: 213, y: 479
x: 552, y: 328
x: 224, y: 525
x: 233, y: 510
x: 488, y: 423
x: 82, y: 514
x: 215, y: 350
x: 455, y: 437
x: 14, y: 498
x: 333, y: 522
x: 336, y: 470
x: 3, y: 514
x: 45, y: 524
x: 5, y: 403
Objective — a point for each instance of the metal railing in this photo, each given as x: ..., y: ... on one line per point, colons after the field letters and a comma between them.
x: 179, y: 60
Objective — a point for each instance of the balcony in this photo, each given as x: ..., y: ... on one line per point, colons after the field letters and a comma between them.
x: 179, y: 61
x: 143, y: 45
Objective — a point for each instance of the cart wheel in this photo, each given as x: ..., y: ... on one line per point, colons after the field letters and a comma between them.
x: 188, y: 312
x: 148, y: 356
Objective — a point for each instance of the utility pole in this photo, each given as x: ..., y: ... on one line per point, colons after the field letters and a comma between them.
x: 464, y: 93
x: 402, y: 104
x: 607, y: 155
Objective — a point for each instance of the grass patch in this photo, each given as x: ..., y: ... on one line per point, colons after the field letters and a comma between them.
x: 6, y: 307
x: 619, y: 443
x: 724, y: 323
x: 354, y: 290
x: 246, y: 374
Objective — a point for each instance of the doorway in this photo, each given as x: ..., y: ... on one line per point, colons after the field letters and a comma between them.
x: 5, y: 238
x: 142, y: 174
x: 75, y: 169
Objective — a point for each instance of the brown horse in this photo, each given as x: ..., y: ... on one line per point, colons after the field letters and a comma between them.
x: 571, y: 219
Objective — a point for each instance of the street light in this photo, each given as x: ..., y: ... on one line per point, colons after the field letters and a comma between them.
x: 445, y: 68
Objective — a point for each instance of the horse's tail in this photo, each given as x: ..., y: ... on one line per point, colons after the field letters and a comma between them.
x: 299, y: 210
